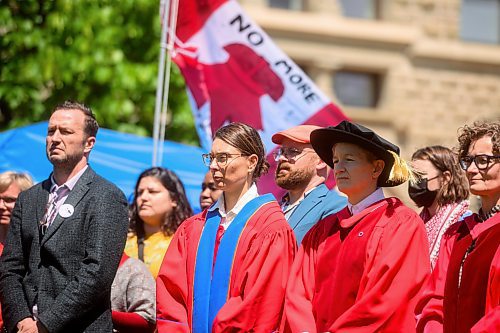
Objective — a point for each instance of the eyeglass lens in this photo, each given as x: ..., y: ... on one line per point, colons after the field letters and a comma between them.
x: 288, y: 153
x: 220, y: 158
x: 482, y: 162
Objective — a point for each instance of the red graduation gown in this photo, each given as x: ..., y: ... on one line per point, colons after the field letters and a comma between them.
x: 485, y: 294
x: 261, y: 268
x: 1, y: 319
x: 359, y: 274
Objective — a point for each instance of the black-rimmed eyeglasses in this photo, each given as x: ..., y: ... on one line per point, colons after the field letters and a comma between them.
x: 221, y: 158
x: 482, y: 161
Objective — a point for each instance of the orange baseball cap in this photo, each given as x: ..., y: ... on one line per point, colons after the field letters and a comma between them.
x: 300, y: 134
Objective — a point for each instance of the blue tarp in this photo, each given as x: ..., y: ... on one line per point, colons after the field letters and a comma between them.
x: 118, y: 157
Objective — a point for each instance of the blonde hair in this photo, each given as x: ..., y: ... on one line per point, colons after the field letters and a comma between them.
x: 23, y: 180
x: 400, y: 171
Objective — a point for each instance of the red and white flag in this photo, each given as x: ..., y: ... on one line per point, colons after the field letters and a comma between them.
x: 234, y: 72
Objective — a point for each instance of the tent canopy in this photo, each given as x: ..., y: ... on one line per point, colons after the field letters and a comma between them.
x: 118, y: 157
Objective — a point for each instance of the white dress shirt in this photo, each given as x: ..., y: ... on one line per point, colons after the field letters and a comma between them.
x: 228, y: 217
x: 376, y: 195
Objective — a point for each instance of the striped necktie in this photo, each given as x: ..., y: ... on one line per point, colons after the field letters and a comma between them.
x: 52, y: 205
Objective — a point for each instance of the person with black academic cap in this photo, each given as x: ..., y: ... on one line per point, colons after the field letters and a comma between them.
x: 441, y: 189
x: 361, y: 269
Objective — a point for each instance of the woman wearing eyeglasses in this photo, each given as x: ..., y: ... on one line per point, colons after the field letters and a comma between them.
x: 441, y: 189
x: 463, y: 294
x: 227, y: 267
x: 11, y: 184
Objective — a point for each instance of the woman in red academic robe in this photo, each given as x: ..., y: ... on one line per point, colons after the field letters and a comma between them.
x: 463, y: 293
x: 363, y: 268
x: 227, y: 267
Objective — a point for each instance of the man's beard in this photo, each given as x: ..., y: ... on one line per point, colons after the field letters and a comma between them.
x: 67, y: 162
x: 293, y: 179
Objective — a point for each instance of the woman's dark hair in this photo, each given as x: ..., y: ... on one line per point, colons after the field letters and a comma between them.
x: 174, y: 186
x: 470, y: 134
x: 444, y: 159
x: 247, y: 140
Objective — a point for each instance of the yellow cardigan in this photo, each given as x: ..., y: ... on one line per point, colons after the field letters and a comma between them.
x: 155, y: 247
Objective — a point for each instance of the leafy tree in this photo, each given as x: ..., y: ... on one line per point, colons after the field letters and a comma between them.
x: 104, y: 53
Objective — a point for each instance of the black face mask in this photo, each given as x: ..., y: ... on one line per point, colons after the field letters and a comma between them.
x: 420, y: 194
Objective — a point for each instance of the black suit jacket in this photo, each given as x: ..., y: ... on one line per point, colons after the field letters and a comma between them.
x: 67, y: 272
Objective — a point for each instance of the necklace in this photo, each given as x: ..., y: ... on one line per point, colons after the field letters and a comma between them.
x: 485, y: 216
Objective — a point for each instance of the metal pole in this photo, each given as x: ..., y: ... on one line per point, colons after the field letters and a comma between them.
x: 166, y: 88
x: 165, y: 5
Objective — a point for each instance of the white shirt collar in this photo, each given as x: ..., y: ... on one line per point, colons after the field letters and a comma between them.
x: 70, y: 183
x: 376, y: 195
x: 228, y: 217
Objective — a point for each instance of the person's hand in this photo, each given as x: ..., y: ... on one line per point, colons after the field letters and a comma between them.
x: 27, y: 325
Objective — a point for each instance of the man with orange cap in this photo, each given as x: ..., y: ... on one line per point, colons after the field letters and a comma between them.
x: 302, y: 173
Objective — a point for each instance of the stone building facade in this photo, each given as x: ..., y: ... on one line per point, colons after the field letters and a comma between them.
x: 413, y: 70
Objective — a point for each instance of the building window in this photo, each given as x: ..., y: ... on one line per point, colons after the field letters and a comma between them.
x: 480, y: 21
x: 287, y: 4
x: 358, y: 89
x: 365, y: 9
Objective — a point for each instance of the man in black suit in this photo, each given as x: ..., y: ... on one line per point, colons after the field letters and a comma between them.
x: 65, y: 239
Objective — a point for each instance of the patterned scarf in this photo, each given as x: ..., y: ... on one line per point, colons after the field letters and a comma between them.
x: 437, y: 225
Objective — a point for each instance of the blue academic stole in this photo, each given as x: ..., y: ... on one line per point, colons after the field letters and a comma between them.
x: 210, y: 292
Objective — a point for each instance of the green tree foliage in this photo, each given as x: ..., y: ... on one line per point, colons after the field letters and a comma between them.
x: 104, y: 53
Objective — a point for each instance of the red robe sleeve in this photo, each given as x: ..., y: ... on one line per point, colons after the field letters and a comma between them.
x: 1, y: 319
x: 396, y: 268
x: 429, y: 309
x: 172, y: 286
x: 491, y: 321
x: 298, y: 315
x: 130, y: 322
x: 257, y: 301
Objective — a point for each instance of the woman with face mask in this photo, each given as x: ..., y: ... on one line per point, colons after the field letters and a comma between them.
x: 463, y: 293
x: 441, y: 189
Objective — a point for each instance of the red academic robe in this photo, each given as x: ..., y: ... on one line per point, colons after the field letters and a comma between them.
x: 485, y: 294
x: 1, y: 319
x: 258, y: 279
x: 361, y: 273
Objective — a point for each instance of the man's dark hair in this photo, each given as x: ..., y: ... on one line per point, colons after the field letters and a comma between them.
x: 91, y: 125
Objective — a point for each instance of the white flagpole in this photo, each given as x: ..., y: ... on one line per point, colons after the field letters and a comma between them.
x: 170, y: 48
x: 164, y: 9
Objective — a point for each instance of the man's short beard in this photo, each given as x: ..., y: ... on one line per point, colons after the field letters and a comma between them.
x: 68, y: 163
x: 294, y: 179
